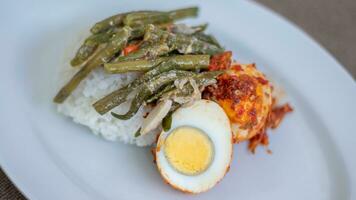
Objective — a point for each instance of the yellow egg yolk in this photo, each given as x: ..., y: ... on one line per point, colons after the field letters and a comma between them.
x: 188, y: 150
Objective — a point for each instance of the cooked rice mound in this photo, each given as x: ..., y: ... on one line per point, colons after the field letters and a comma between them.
x: 98, y: 84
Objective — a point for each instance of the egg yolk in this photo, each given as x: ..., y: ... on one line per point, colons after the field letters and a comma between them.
x: 188, y: 150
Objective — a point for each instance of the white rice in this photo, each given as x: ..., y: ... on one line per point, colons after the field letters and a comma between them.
x: 79, y: 107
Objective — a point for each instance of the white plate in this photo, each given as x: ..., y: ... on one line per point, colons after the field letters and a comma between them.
x: 49, y: 157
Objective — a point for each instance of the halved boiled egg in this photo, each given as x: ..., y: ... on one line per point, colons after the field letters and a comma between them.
x: 196, y: 152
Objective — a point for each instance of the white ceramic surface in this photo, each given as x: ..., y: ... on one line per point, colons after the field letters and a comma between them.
x: 49, y: 157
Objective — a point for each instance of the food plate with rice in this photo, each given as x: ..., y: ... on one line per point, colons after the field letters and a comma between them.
x: 184, y: 101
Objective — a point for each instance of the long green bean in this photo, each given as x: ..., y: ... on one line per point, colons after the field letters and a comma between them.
x: 203, y: 79
x: 149, y: 88
x: 184, y: 62
x: 138, y: 132
x: 116, y: 44
x: 190, y: 45
x: 135, y: 104
x: 113, y: 99
x: 185, y: 44
x: 207, y: 38
x: 167, y: 120
x: 206, y: 78
x: 154, y: 34
x: 159, y: 42
x: 148, y: 52
x: 142, y: 18
x: 101, y: 37
x: 119, y: 96
x: 137, y: 32
x: 156, y: 96
x: 131, y: 66
x: 83, y: 53
x: 145, y: 17
x: 183, y: 13
x: 154, y: 44
x: 90, y: 45
x: 188, y: 30
x: 108, y: 23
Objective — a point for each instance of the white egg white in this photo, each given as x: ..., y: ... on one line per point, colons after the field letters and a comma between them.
x: 209, y: 117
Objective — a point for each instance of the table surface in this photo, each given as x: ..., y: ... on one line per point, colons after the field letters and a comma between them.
x: 331, y: 23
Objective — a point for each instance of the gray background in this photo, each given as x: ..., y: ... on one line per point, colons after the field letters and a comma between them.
x: 330, y: 22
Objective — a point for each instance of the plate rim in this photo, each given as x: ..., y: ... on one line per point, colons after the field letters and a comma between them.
x: 24, y: 189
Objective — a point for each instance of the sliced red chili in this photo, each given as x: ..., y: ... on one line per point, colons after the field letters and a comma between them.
x: 130, y: 48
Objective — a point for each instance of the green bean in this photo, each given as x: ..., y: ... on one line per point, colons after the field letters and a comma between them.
x: 166, y: 77
x: 131, y: 66
x: 186, y: 44
x: 151, y: 87
x: 119, y: 96
x: 154, y: 34
x: 205, y: 78
x: 135, y: 105
x: 137, y: 32
x: 112, y: 100
x: 184, y: 62
x: 148, y: 52
x: 83, y: 53
x: 187, y: 90
x: 156, y: 96
x: 207, y: 38
x: 191, y: 62
x: 138, y: 132
x: 144, y: 17
x: 202, y: 79
x: 101, y: 37
x: 90, y: 45
x: 184, y: 13
x: 190, y: 45
x: 167, y: 120
x: 107, y: 23
x: 200, y: 28
x: 153, y: 45
x: 175, y: 107
x: 164, y: 66
x: 118, y: 41
x: 188, y: 30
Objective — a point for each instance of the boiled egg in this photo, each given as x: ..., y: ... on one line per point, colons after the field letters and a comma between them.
x: 195, y: 153
x: 246, y: 97
x: 251, y: 113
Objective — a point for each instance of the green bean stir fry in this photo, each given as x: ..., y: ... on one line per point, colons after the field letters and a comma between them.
x: 173, y: 59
